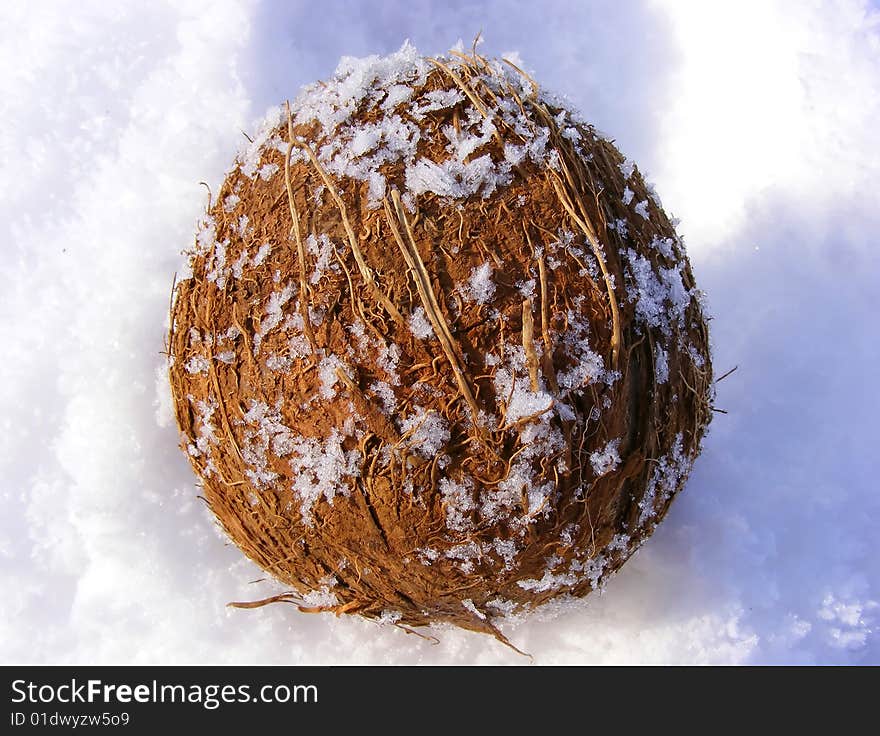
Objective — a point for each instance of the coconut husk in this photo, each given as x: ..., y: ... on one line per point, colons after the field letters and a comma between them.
x: 421, y: 407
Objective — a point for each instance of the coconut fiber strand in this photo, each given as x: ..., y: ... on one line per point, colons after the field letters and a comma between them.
x: 439, y: 355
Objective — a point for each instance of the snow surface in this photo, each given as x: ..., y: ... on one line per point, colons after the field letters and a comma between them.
x: 771, y: 159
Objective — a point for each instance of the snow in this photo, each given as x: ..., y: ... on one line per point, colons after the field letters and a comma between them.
x: 419, y: 324
x: 197, y: 364
x: 452, y: 178
x: 321, y: 249
x: 274, y: 312
x: 458, y: 503
x: 661, y: 364
x: 660, y: 300
x: 770, y: 159
x: 606, y: 459
x: 261, y: 254
x: 321, y: 470
x: 426, y: 432
x: 470, y: 606
x: 480, y: 287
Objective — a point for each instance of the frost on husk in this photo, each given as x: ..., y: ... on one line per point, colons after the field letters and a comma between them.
x: 441, y: 356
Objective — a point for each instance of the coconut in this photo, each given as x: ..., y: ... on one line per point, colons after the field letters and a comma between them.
x: 440, y: 356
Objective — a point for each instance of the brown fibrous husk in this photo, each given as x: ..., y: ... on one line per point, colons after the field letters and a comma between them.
x: 409, y: 536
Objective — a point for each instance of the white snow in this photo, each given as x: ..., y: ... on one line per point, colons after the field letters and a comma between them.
x: 480, y: 287
x: 606, y: 459
x: 321, y: 250
x: 197, y: 364
x: 627, y: 168
x: 328, y: 376
x: 274, y: 312
x: 458, y: 503
x: 769, y: 555
x: 471, y: 606
x: 661, y: 364
x: 261, y: 254
x: 452, y: 178
x: 419, y: 324
x: 321, y: 470
x: 661, y: 301
x: 426, y: 432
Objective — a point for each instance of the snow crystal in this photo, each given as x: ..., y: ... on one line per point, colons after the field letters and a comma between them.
x: 507, y: 550
x: 641, y: 209
x: 620, y: 226
x: 262, y: 254
x: 588, y: 366
x: 652, y: 193
x: 230, y: 202
x: 480, y: 287
x: 466, y: 555
x: 265, y: 433
x: 205, y: 435
x: 695, y: 355
x: 206, y: 235
x: 627, y: 168
x: 239, y: 264
x: 419, y: 324
x: 327, y: 374
x: 242, y: 226
x: 427, y: 555
x: 217, y: 274
x: 388, y: 360
x: 321, y: 470
x: 454, y: 179
x: 514, y: 390
x: 427, y: 432
x: 469, y: 605
x: 396, y: 95
x: 669, y: 471
x: 376, y: 189
x: 458, y: 503
x: 462, y: 144
x: 321, y: 598
x: 549, y: 581
x: 322, y: 250
x: 660, y: 301
x: 267, y: 171
x: 386, y: 396
x: 365, y: 139
x: 197, y: 364
x: 526, y: 288
x: 274, y: 312
x: 278, y: 363
x: 389, y: 617
x: 438, y: 99
x: 661, y: 364
x: 566, y: 536
x: 606, y: 459
x: 578, y: 570
x: 666, y: 246
x: 251, y: 152
x: 627, y: 195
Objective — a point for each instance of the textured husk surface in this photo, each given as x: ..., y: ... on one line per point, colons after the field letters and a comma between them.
x: 384, y: 548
